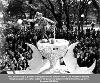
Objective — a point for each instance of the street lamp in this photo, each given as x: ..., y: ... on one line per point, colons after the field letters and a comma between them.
x: 82, y: 15
x: 1, y: 15
x: 19, y: 21
x: 89, y: 2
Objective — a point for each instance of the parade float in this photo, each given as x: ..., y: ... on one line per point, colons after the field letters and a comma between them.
x: 53, y: 50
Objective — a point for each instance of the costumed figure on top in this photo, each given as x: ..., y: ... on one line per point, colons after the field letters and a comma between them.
x: 43, y: 24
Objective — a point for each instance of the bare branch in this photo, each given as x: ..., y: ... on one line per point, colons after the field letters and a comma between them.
x: 45, y: 5
x: 52, y: 6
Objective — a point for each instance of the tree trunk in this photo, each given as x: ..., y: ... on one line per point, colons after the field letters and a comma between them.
x: 66, y: 10
x: 59, y: 23
x: 98, y: 18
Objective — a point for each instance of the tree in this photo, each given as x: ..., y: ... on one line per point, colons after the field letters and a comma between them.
x: 71, y: 10
x: 96, y: 4
x: 68, y: 12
